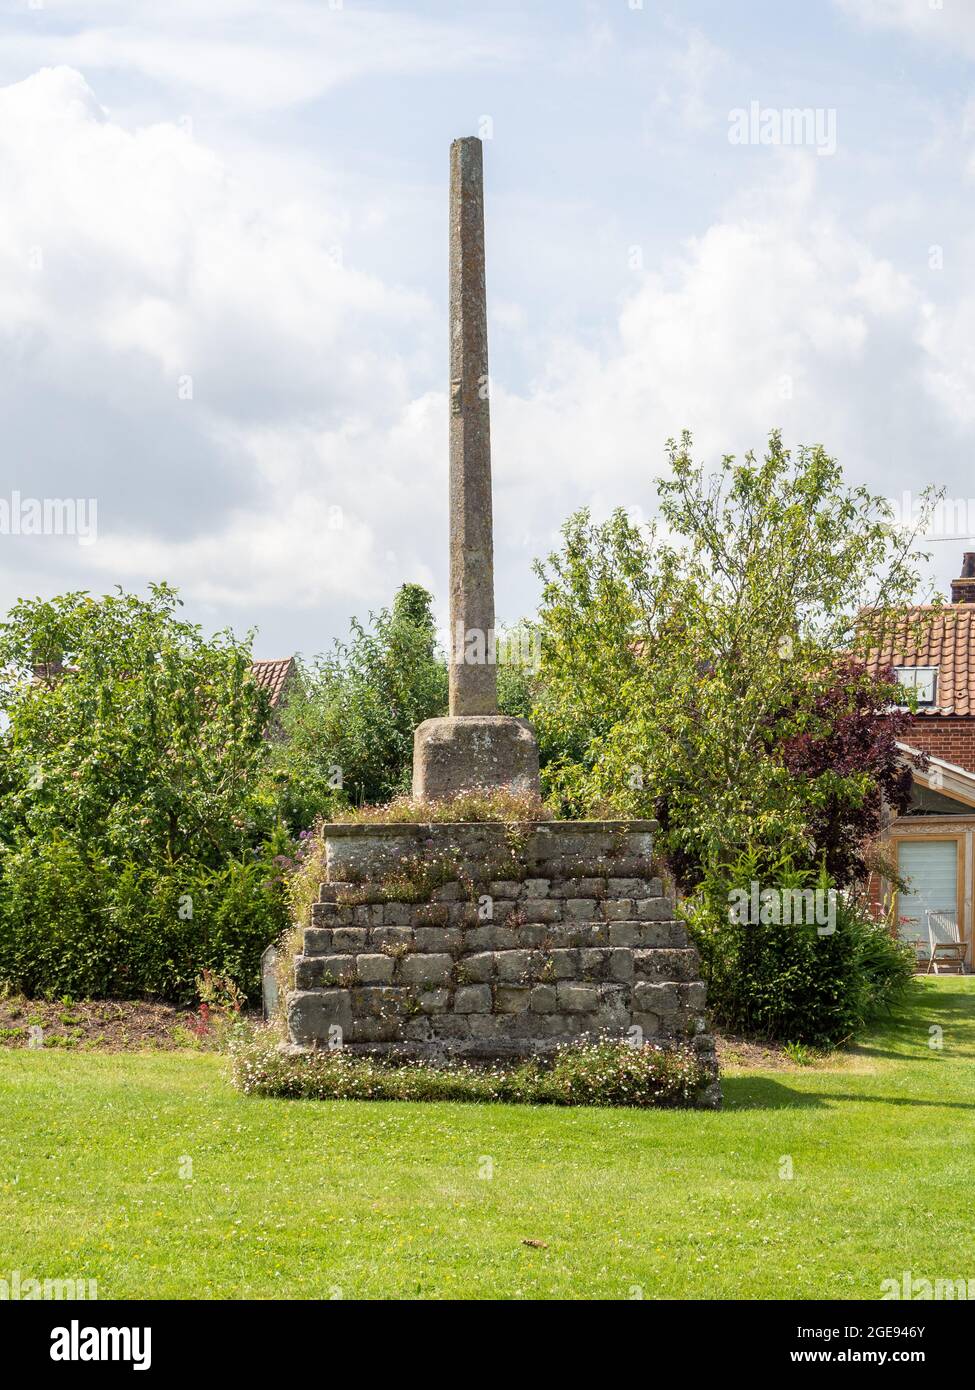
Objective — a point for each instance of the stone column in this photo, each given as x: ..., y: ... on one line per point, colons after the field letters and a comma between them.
x: 475, y: 748
x: 473, y: 673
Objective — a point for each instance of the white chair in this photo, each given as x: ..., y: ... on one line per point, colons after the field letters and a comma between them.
x: 945, y: 945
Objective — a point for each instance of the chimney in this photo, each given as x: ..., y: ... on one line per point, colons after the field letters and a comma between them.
x: 963, y: 588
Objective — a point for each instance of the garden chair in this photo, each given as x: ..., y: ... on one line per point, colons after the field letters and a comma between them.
x: 945, y: 945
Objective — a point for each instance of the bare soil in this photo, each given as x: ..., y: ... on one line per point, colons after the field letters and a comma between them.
x: 746, y: 1054
x: 106, y: 1025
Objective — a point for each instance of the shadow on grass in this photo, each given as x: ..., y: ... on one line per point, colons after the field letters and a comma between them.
x: 904, y: 1036
x: 762, y: 1093
x: 905, y: 1033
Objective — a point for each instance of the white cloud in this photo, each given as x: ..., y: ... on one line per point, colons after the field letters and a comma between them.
x: 307, y: 475
x: 777, y: 315
x: 693, y: 68
x: 950, y: 23
x: 244, y: 53
x: 132, y: 274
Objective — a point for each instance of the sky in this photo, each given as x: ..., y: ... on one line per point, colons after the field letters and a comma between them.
x: 223, y: 277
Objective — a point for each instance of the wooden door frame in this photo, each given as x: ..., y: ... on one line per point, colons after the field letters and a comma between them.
x: 936, y: 834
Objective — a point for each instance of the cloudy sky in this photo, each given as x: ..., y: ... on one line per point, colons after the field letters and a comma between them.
x: 223, y: 274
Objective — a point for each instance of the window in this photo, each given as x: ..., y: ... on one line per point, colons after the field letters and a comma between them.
x: 922, y: 679
x: 930, y: 868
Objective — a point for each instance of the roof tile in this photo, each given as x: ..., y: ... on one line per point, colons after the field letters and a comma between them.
x: 946, y: 639
x: 273, y: 676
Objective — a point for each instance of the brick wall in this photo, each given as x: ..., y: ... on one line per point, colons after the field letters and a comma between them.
x: 944, y: 737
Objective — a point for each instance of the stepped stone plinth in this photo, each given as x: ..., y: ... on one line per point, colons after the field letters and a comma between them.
x: 534, y: 936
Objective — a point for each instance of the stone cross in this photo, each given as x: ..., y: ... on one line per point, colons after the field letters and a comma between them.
x: 473, y: 683
x: 474, y: 748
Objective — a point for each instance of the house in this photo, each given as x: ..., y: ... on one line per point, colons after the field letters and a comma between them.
x: 932, y: 651
x: 277, y: 678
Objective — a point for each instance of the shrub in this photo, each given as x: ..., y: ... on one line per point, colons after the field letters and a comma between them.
x: 132, y: 764
x: 350, y: 718
x: 147, y: 745
x: 74, y: 926
x: 597, y: 1073
x: 56, y: 937
x: 349, y: 722
x: 788, y: 982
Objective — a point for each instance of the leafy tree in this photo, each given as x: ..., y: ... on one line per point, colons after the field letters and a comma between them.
x: 687, y: 668
x: 519, y: 650
x: 139, y: 740
x: 132, y: 817
x: 848, y: 766
x: 348, y: 729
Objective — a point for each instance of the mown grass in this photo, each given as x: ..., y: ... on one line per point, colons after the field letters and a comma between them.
x: 343, y: 1199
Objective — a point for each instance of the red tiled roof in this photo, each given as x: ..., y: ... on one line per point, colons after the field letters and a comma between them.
x: 273, y: 676
x: 935, y: 636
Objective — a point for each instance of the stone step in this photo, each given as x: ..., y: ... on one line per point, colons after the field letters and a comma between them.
x: 631, y: 885
x: 371, y: 852
x: 494, y: 911
x: 461, y: 941
x: 372, y: 1013
x: 440, y: 969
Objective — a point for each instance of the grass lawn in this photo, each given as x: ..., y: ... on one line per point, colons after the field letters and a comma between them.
x: 307, y: 1199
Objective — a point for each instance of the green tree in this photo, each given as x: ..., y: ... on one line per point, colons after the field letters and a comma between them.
x: 677, y: 659
x: 139, y: 739
x: 348, y: 729
x: 132, y: 816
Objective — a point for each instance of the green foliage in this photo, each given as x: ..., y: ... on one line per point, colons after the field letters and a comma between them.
x: 141, y: 804
x: 348, y: 727
x: 675, y: 665
x: 149, y: 745
x: 89, y: 929
x: 501, y: 805
x: 519, y: 652
x: 597, y: 1073
x: 785, y: 980
x: 54, y: 935
x: 131, y: 802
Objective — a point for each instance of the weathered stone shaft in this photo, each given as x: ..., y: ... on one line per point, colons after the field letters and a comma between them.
x: 473, y: 673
